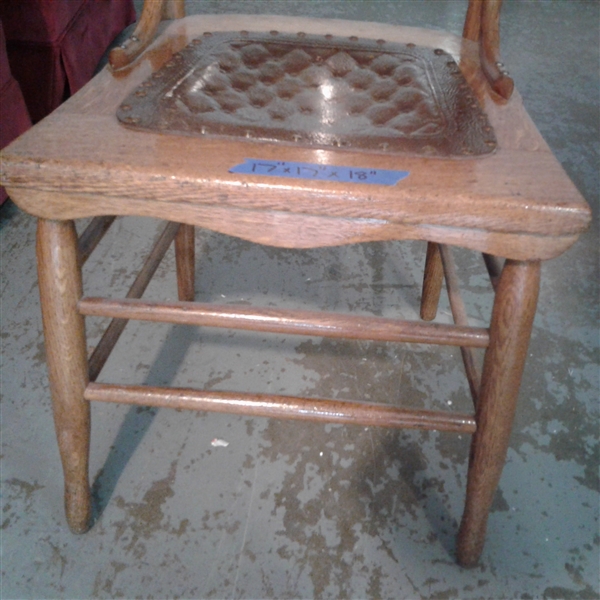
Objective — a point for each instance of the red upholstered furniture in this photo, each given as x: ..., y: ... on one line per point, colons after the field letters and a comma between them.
x: 54, y: 45
x: 14, y: 118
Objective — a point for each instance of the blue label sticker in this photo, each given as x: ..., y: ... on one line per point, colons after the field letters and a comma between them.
x: 313, y: 171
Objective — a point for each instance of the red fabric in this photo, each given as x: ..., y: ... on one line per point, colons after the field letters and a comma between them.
x: 54, y: 45
x: 38, y: 20
x: 14, y: 119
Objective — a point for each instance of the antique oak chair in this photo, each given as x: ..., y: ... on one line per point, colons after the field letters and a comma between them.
x: 284, y: 132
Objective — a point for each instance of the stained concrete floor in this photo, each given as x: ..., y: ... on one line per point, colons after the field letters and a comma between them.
x: 290, y: 510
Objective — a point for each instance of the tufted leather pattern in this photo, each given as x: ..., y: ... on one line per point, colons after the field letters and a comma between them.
x: 315, y: 90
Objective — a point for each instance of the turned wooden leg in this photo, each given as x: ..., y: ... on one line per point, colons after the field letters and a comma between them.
x: 64, y: 332
x: 185, y: 262
x: 432, y: 282
x: 493, y: 265
x: 512, y: 319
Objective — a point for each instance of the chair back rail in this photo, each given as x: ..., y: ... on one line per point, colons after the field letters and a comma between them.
x: 153, y: 13
x: 482, y: 25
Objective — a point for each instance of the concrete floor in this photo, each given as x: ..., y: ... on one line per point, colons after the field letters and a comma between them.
x: 291, y: 510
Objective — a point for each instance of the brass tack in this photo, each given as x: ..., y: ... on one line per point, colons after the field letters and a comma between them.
x: 140, y: 93
x: 126, y: 107
x: 207, y: 34
x: 438, y: 51
x: 353, y: 38
x: 274, y: 32
x: 197, y: 42
x: 380, y: 41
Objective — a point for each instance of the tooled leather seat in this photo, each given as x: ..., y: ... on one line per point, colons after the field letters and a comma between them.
x: 319, y: 91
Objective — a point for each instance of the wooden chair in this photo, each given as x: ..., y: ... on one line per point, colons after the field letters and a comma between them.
x: 163, y: 132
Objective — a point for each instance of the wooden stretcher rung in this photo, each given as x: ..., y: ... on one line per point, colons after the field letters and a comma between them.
x: 295, y: 322
x: 92, y: 235
x: 459, y: 314
x: 116, y: 326
x: 283, y: 407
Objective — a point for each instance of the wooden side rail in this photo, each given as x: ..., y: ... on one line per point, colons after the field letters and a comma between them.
x: 283, y: 407
x: 295, y: 322
x: 459, y: 314
x: 433, y: 278
x: 116, y: 326
x: 185, y: 261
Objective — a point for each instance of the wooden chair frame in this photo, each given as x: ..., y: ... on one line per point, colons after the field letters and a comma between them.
x: 73, y: 377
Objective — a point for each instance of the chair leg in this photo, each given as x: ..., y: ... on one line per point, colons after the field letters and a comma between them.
x: 64, y: 332
x: 432, y: 282
x: 493, y: 265
x: 185, y: 262
x: 512, y: 320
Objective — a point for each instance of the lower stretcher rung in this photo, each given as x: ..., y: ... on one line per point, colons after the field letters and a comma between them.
x: 285, y: 407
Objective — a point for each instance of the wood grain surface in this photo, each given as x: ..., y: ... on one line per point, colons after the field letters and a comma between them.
x: 283, y: 407
x: 64, y: 334
x: 512, y: 319
x: 295, y: 322
x: 79, y: 162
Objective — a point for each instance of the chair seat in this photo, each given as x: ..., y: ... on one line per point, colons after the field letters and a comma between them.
x: 84, y: 162
x: 317, y: 91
